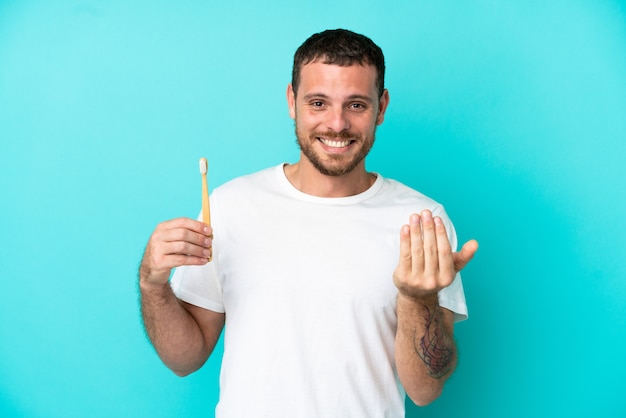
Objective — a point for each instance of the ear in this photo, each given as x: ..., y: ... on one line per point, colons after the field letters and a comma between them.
x: 291, y: 101
x: 382, y: 107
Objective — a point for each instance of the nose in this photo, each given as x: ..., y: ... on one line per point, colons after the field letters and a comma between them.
x: 337, y: 119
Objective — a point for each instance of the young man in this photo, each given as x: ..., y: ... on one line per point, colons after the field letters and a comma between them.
x: 333, y: 307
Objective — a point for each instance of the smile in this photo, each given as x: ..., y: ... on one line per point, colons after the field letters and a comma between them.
x: 334, y: 144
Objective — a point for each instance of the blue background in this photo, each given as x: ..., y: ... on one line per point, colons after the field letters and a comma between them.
x: 513, y: 114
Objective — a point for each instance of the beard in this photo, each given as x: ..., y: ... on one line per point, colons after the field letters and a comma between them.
x: 333, y: 164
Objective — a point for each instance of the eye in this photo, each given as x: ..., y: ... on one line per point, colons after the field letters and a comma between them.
x: 317, y: 103
x: 357, y: 106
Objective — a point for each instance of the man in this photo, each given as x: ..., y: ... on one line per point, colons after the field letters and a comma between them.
x: 333, y: 307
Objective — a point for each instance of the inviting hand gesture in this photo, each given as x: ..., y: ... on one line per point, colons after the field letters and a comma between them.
x: 427, y: 263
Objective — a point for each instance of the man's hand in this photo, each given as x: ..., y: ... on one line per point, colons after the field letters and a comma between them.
x: 175, y: 243
x: 427, y: 263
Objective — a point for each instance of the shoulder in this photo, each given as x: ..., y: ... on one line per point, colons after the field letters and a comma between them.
x: 248, y: 183
x: 397, y: 193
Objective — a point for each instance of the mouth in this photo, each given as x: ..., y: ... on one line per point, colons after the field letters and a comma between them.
x: 335, y: 144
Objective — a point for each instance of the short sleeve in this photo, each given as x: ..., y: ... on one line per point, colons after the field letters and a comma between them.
x: 199, y: 285
x: 453, y: 298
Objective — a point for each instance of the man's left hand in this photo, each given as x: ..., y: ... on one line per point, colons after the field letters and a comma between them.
x: 427, y: 263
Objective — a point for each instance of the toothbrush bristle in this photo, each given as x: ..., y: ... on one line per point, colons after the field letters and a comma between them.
x: 203, y: 165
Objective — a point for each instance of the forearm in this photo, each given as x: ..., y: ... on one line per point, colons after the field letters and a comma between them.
x: 174, y: 333
x: 425, y: 349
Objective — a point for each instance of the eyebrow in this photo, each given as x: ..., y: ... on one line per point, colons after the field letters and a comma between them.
x: 362, y: 97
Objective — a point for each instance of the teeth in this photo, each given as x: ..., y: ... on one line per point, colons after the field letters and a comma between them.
x: 335, y: 144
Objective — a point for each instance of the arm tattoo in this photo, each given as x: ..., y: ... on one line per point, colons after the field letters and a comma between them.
x: 435, y: 348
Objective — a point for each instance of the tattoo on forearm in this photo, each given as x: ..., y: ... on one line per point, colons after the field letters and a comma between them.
x: 435, y: 348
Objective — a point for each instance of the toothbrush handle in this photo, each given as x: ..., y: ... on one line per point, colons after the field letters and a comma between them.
x: 206, y: 209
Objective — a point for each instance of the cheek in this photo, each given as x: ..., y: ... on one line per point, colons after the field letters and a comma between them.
x: 306, y: 121
x: 367, y: 125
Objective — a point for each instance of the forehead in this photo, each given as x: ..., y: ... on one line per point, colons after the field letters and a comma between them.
x: 329, y: 78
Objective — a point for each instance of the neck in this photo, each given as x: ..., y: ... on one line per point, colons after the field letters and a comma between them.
x: 309, y: 180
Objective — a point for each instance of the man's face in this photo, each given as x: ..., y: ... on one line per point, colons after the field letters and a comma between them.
x: 336, y: 111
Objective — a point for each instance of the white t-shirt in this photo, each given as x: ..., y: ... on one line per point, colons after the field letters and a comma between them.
x: 306, y: 284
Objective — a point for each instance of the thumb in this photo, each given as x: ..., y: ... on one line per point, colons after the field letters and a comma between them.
x: 464, y: 256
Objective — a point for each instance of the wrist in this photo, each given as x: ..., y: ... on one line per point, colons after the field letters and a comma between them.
x: 151, y: 286
x: 151, y: 278
x: 431, y: 299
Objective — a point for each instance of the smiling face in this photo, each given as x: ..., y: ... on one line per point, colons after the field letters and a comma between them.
x: 336, y: 110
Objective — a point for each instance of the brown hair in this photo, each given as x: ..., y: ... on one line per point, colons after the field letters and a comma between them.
x: 339, y: 47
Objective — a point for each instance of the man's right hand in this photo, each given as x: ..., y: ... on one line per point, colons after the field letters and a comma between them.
x: 174, y: 243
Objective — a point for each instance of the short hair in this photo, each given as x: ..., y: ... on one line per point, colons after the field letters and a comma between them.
x: 339, y: 47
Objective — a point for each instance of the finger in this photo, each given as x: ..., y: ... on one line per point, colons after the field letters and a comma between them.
x: 184, y: 229
x: 164, y: 266
x: 184, y: 248
x: 431, y: 259
x: 417, y: 245
x: 188, y: 223
x: 186, y: 236
x: 404, y: 265
x: 464, y: 256
x: 178, y: 260
x: 444, y: 251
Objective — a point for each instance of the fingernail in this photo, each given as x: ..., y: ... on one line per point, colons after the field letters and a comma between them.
x: 438, y: 221
x: 426, y: 215
x: 207, y: 242
x: 415, y: 219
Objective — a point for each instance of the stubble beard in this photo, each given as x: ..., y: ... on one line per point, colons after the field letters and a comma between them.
x: 333, y: 164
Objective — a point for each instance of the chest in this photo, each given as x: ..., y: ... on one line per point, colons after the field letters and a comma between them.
x: 344, y: 255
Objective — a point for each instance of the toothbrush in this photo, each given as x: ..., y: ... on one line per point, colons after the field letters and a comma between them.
x: 206, y: 210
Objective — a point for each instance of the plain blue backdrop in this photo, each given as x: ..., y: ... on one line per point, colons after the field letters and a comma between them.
x: 511, y: 113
